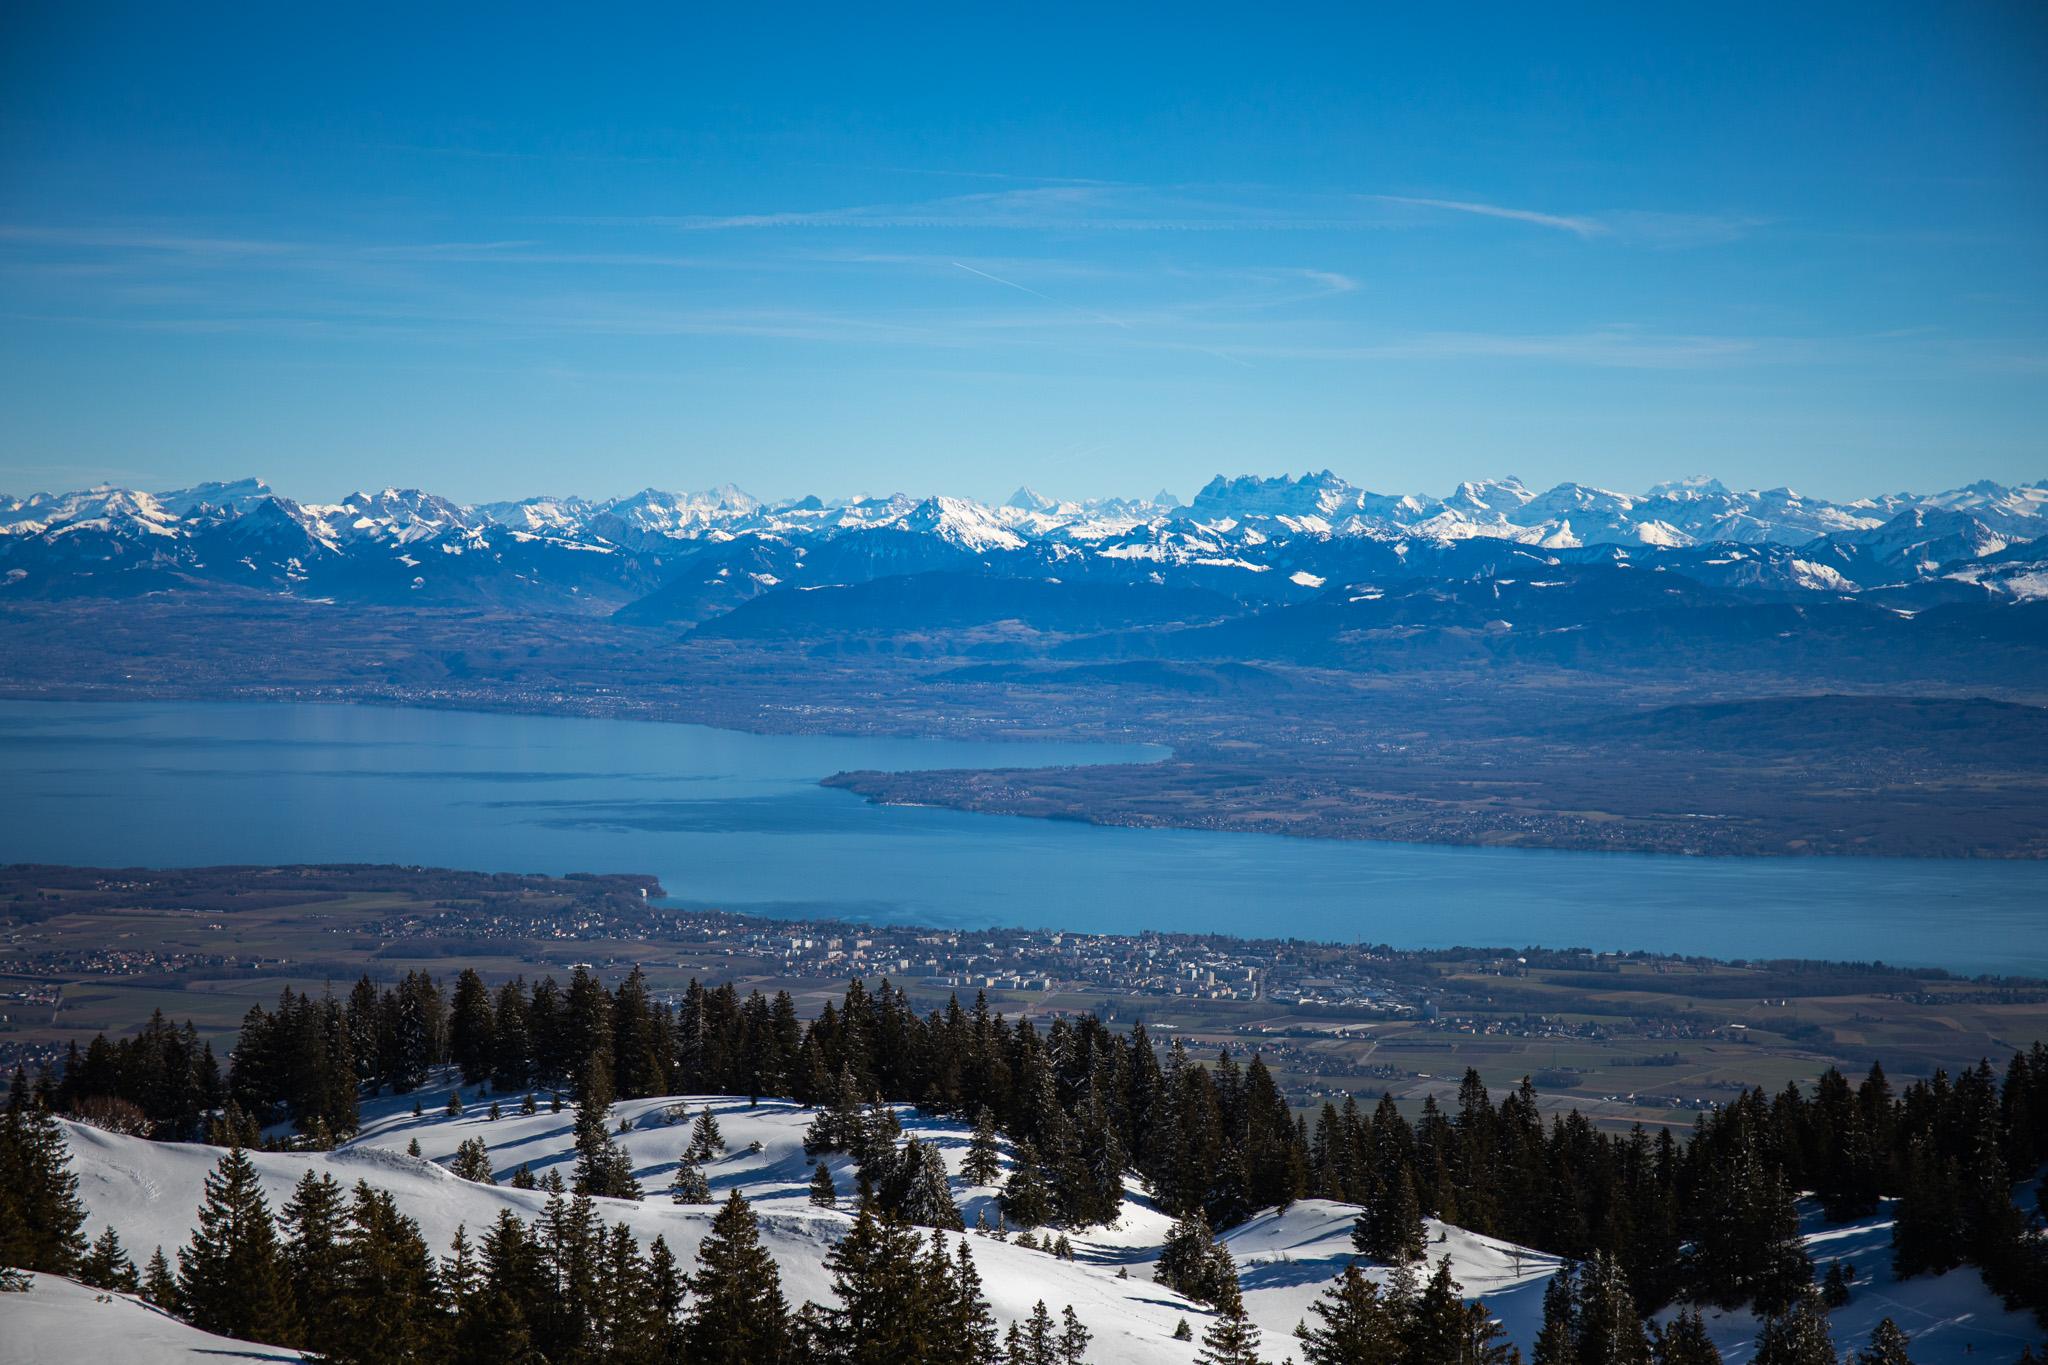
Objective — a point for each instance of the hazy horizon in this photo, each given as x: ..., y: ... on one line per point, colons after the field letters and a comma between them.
x: 1183, y: 490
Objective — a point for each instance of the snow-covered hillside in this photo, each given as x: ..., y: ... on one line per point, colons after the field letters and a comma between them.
x: 148, y: 1191
x: 59, y: 1321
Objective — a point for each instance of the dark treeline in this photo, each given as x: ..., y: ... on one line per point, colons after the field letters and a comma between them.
x: 346, y: 1275
x: 160, y: 1082
x: 349, y: 1277
x: 1709, y: 1216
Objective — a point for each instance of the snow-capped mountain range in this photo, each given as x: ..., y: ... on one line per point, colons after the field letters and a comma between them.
x: 686, y: 556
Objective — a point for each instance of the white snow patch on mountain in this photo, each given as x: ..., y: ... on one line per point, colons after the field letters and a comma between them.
x: 1820, y: 577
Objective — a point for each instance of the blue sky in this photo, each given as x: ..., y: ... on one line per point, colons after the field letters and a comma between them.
x: 1099, y: 250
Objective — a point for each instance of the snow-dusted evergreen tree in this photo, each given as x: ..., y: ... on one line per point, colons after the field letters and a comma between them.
x: 1610, y: 1331
x: 495, y: 1324
x: 1684, y: 1341
x: 737, y: 1313
x: 472, y: 1161
x: 824, y: 1194
x: 602, y: 1168
x: 1746, y: 1244
x: 1798, y: 1336
x: 42, y: 1223
x: 1355, y: 1325
x: 706, y: 1141
x: 918, y: 1191
x: 392, y: 1308
x: 461, y: 1276
x: 1231, y: 1339
x: 107, y: 1266
x: 665, y: 1290
x: 1557, y: 1341
x: 1032, y: 1341
x: 983, y: 1163
x: 1443, y: 1327
x: 967, y: 1322
x: 1026, y: 1200
x: 885, y: 1303
x: 232, y: 1276
x: 873, y: 1142
x: 159, y: 1285
x: 471, y: 1028
x: 1072, y: 1346
x: 622, y: 1314
x: 1194, y: 1263
x: 413, y: 1015
x: 1389, y: 1227
x: 689, y: 1185
x: 838, y: 1127
x: 1887, y: 1346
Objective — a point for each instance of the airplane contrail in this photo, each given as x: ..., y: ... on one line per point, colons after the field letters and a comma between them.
x: 1057, y: 303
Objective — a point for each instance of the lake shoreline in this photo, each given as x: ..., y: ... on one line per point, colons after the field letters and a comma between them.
x: 740, y: 821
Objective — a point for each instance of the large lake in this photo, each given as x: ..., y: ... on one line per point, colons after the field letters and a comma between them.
x: 737, y: 820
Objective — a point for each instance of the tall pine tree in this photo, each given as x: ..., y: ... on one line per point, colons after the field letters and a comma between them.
x: 738, y: 1315
x: 42, y: 1222
x: 232, y: 1277
x: 1355, y: 1325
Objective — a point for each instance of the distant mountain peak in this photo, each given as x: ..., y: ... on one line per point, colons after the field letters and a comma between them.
x: 1692, y: 486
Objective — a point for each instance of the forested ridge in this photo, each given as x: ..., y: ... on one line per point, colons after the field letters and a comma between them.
x: 1707, y: 1217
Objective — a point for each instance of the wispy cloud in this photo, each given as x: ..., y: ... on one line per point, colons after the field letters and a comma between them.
x: 1578, y: 226
x: 1614, y: 347
x: 1677, y: 230
x: 1086, y: 302
x: 99, y: 238
x: 1081, y: 206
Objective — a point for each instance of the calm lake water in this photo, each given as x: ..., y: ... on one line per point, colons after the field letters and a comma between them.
x: 737, y: 821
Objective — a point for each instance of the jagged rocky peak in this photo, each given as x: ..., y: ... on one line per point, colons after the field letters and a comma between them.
x: 1496, y: 496
x: 540, y: 515
x: 404, y: 505
x: 1692, y: 486
x: 961, y: 522
x: 1248, y: 495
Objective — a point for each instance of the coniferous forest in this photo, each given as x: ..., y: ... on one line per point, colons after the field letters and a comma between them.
x: 1703, y: 1218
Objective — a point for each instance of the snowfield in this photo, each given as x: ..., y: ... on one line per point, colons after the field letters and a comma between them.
x: 148, y: 1191
x: 58, y: 1321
